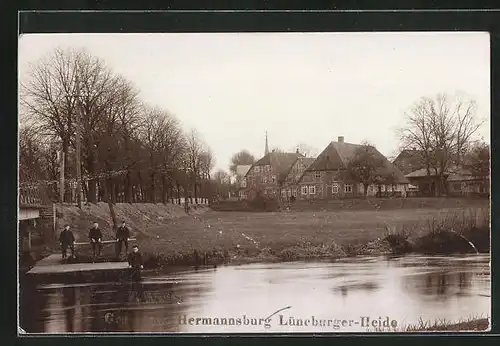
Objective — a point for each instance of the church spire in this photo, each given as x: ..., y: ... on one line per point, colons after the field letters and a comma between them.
x: 267, y: 147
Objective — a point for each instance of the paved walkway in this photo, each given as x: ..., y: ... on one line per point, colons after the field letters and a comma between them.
x: 53, y: 265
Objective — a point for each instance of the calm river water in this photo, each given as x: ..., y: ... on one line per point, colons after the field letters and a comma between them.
x: 346, y: 295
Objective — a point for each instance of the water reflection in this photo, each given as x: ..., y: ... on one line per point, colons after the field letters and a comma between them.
x: 403, y: 289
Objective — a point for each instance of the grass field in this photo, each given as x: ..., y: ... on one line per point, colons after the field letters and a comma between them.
x: 276, y: 230
x: 250, y: 236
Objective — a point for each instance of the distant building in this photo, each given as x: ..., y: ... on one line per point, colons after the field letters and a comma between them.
x: 325, y: 177
x: 284, y: 175
x: 457, y: 182
x: 409, y: 161
x: 463, y: 183
x: 267, y: 175
x: 240, y: 181
x: 291, y: 182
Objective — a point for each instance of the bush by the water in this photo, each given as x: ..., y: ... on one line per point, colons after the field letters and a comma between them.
x: 398, y: 240
x: 465, y: 232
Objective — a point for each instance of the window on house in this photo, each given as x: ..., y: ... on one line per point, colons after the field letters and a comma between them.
x: 264, y: 180
x: 289, y: 193
x: 295, y: 192
x: 304, y: 190
x: 370, y: 188
x: 348, y: 188
x: 273, y: 178
x: 312, y: 190
x: 317, y: 174
x: 257, y: 169
x: 335, y: 188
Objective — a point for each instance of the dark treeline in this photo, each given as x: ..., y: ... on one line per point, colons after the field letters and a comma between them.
x: 130, y: 151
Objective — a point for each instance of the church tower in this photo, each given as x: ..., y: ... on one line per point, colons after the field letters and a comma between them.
x: 266, y: 151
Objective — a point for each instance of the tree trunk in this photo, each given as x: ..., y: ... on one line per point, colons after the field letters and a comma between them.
x: 153, y: 188
x: 91, y: 197
x: 65, y: 149
x: 164, y: 189
x: 178, y: 194
x: 114, y: 189
x: 195, y: 185
x: 108, y: 194
x: 92, y: 182
x: 365, y: 190
x: 138, y: 192
x: 128, y: 188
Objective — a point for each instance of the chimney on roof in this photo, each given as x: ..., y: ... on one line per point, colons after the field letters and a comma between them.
x: 341, y: 139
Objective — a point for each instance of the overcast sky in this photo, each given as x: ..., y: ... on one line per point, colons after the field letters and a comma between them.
x: 300, y: 87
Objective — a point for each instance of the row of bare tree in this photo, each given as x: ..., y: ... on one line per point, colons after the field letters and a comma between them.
x: 129, y: 151
x: 443, y: 131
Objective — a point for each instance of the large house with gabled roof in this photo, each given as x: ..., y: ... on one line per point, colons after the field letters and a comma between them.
x: 279, y: 174
x: 290, y: 186
x: 267, y: 175
x: 325, y: 178
x: 409, y: 160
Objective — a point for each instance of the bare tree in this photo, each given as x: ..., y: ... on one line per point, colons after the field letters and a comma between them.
x: 242, y: 157
x: 207, y: 162
x: 477, y: 160
x: 194, y: 150
x: 128, y: 149
x: 466, y: 125
x: 172, y: 146
x: 70, y: 87
x: 152, y: 139
x: 365, y: 166
x: 30, y: 152
x: 45, y: 95
x: 38, y: 163
x: 441, y: 128
x: 222, y: 182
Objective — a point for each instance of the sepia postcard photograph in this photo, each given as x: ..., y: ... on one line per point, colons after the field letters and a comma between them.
x: 254, y: 183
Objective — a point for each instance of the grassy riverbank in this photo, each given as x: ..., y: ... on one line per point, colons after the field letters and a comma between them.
x: 242, y: 237
x: 469, y: 324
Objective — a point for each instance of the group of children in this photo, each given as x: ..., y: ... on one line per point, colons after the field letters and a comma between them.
x: 67, y: 240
